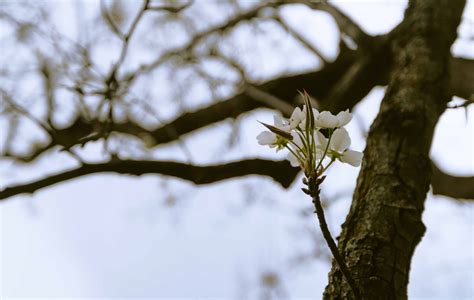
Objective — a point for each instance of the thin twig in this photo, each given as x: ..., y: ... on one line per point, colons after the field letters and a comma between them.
x: 295, y: 34
x: 115, y: 29
x: 171, y: 8
x: 267, y: 98
x: 314, y: 191
x: 128, y: 35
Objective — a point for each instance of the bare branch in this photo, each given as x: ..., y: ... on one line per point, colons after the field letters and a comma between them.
x: 48, y: 86
x: 345, y: 23
x: 109, y: 21
x: 126, y: 38
x: 171, y: 8
x: 301, y: 39
x: 280, y: 171
x: 231, y: 23
x: 268, y: 99
x: 462, y: 77
x: 317, y: 83
x: 24, y: 112
x: 451, y: 186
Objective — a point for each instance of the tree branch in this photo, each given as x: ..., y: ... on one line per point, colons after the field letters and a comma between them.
x: 281, y: 171
x: 344, y: 22
x: 462, y: 77
x: 451, y: 186
x: 319, y: 84
x: 300, y: 38
x: 230, y: 23
x: 316, y: 83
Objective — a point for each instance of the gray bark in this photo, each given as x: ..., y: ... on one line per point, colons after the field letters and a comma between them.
x: 384, y: 224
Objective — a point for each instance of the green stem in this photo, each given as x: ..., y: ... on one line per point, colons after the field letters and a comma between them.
x: 295, y: 154
x: 325, y: 150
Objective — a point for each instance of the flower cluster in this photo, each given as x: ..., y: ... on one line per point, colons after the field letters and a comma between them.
x: 310, y: 137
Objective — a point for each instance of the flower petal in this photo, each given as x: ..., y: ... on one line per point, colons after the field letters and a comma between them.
x: 321, y: 140
x: 278, y: 121
x: 340, y: 140
x: 281, y: 124
x: 354, y: 158
x: 266, y: 138
x: 326, y: 119
x: 296, y: 117
x: 343, y: 118
x: 315, y: 113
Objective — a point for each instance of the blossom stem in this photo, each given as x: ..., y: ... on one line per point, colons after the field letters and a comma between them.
x: 325, y: 151
x: 303, y: 140
x: 313, y: 185
x: 295, y: 154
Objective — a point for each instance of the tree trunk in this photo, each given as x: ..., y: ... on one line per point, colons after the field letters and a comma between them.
x: 384, y: 224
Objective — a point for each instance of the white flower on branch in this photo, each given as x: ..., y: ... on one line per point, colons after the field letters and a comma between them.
x: 338, y: 147
x: 267, y: 138
x: 308, y: 147
x: 315, y: 140
x: 343, y: 118
x: 296, y: 118
x: 281, y: 124
x: 354, y: 158
x: 326, y: 120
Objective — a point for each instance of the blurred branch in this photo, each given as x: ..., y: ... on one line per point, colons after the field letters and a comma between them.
x: 366, y: 72
x: 171, y: 8
x: 315, y: 83
x: 462, y: 77
x: 48, y: 85
x: 109, y: 21
x: 300, y: 39
x: 22, y: 111
x: 268, y: 99
x: 254, y: 92
x: 126, y: 38
x: 452, y: 186
x: 280, y: 171
x: 346, y: 25
x: 229, y: 24
x: 339, y: 85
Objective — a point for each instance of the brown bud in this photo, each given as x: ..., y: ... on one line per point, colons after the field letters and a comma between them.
x: 280, y: 132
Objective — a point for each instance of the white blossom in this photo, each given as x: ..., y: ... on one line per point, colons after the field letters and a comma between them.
x: 340, y: 140
x: 267, y: 138
x: 297, y: 117
x: 279, y: 123
x: 308, y: 147
x: 354, y: 158
x: 326, y: 119
x: 343, y: 118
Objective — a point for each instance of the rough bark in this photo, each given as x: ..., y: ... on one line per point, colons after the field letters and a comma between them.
x: 384, y: 224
